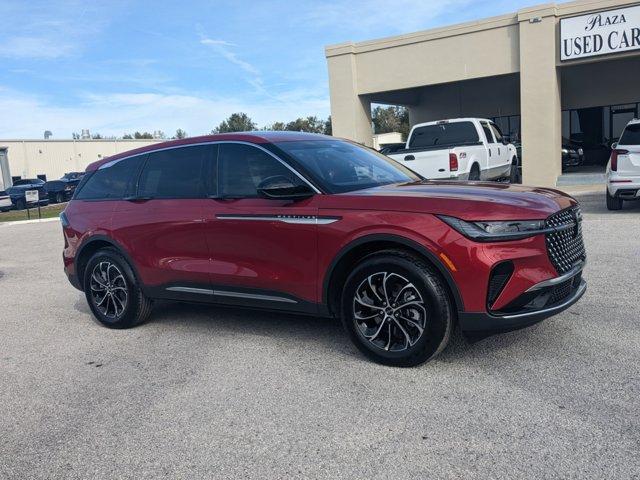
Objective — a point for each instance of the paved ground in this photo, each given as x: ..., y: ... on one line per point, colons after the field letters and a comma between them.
x: 203, y: 392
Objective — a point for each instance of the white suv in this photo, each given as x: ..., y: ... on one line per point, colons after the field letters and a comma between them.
x: 623, y: 169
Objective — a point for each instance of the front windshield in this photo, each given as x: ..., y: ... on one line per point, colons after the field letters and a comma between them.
x: 343, y: 166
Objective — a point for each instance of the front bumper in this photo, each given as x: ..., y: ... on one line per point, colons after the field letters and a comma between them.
x: 479, y: 325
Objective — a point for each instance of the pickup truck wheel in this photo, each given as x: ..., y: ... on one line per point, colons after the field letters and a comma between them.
x: 112, y: 291
x: 514, y: 175
x: 21, y: 204
x: 613, y: 203
x: 474, y: 175
x: 396, y: 310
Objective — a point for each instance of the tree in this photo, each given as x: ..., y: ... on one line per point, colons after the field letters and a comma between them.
x: 145, y: 135
x: 127, y: 136
x: 390, y: 119
x: 237, y: 122
x: 96, y: 136
x: 276, y: 127
x: 180, y: 134
x: 75, y: 136
x: 309, y: 124
x: 328, y: 128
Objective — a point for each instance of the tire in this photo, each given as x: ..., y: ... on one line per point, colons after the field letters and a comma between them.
x: 108, y: 271
x: 427, y: 320
x: 514, y: 174
x: 59, y: 197
x: 21, y: 204
x: 613, y: 203
x: 474, y: 174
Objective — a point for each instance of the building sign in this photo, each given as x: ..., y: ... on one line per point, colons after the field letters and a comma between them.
x: 600, y: 33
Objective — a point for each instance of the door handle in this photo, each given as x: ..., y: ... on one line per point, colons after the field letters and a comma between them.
x: 489, y: 151
x: 137, y: 199
x: 409, y: 157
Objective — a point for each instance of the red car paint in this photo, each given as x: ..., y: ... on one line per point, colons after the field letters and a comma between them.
x: 184, y: 241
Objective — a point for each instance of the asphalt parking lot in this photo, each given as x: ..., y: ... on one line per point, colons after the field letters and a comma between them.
x: 220, y: 393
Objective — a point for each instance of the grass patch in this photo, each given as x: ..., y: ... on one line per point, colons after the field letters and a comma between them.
x: 47, y: 212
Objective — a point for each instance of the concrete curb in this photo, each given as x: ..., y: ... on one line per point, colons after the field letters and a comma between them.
x: 22, y: 222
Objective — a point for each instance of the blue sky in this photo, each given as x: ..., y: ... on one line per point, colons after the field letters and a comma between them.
x: 118, y: 66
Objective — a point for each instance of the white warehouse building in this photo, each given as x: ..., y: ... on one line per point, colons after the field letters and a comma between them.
x: 54, y: 158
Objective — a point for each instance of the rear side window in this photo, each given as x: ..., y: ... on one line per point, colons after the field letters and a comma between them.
x: 631, y: 135
x: 176, y: 173
x: 243, y: 168
x: 112, y: 182
x: 496, y: 132
x: 487, y: 132
x: 444, y: 134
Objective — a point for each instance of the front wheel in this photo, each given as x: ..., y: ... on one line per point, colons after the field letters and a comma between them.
x: 112, y: 291
x: 396, y: 310
x: 59, y: 197
x: 514, y: 174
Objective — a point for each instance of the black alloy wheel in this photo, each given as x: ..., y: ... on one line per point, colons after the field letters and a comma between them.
x: 396, y: 309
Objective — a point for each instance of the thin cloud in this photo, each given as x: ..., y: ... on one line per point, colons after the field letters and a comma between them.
x: 223, y: 48
x: 50, y: 32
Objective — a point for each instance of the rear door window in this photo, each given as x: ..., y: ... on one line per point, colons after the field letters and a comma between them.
x: 112, y: 181
x: 176, y: 173
x: 631, y: 135
x: 444, y: 134
x: 487, y: 132
x: 496, y: 132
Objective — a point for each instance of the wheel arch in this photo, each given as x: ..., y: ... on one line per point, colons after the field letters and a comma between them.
x: 91, y: 246
x: 356, y: 250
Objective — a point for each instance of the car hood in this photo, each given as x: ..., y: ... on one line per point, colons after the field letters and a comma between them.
x: 466, y: 200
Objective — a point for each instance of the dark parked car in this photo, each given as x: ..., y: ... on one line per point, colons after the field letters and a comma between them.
x: 312, y: 224
x: 16, y: 192
x: 62, y: 190
x: 572, y: 155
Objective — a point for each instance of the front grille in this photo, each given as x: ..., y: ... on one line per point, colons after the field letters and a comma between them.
x: 565, y: 247
x: 560, y: 292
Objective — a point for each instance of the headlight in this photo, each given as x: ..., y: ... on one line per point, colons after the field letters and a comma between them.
x: 565, y: 151
x: 495, y: 231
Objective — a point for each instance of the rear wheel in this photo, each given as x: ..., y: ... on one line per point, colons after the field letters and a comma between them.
x: 613, y: 203
x: 396, y: 310
x: 21, y: 204
x: 112, y: 291
x: 474, y: 175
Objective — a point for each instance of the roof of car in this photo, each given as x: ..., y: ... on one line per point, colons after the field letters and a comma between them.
x: 257, y: 137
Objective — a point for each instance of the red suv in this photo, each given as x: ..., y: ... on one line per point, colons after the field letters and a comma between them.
x: 313, y: 224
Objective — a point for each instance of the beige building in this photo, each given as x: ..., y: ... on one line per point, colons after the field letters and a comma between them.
x: 54, y: 158
x: 548, y: 75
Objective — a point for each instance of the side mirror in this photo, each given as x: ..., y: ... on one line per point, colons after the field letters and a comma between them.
x: 280, y: 187
x: 614, y: 145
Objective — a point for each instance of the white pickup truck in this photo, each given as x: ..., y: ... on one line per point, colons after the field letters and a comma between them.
x: 461, y: 149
